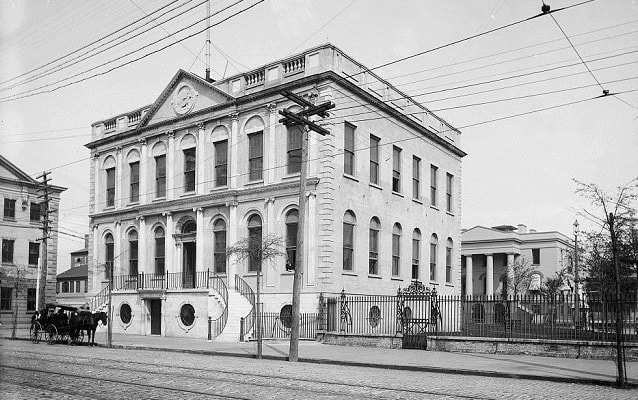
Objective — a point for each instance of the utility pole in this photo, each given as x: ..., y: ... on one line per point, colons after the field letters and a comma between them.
x: 42, y: 273
x: 300, y: 119
x: 620, y: 359
x: 576, y: 277
x: 109, y: 315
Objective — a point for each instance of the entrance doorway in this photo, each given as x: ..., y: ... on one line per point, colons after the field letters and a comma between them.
x: 156, y: 317
x: 189, y: 265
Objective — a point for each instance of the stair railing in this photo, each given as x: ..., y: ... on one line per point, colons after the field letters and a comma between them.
x: 245, y: 290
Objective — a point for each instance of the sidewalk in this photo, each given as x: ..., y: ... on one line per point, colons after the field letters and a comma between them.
x: 599, y: 372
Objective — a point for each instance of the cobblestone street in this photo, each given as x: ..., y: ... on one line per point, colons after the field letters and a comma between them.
x: 66, y: 372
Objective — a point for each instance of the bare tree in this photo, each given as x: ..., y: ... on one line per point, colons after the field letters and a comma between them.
x: 257, y: 250
x: 519, y: 276
x: 16, y: 275
x: 617, y: 220
x: 551, y: 289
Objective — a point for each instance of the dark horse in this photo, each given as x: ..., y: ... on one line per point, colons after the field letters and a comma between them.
x: 87, y: 321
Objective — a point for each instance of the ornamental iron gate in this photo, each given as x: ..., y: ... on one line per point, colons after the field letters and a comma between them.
x: 417, y: 312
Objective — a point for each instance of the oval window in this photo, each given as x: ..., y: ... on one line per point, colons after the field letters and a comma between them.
x: 125, y: 313
x: 285, y: 315
x: 374, y: 316
x: 187, y: 315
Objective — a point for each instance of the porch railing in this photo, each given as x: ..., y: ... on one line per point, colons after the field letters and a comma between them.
x: 245, y: 290
x: 169, y: 280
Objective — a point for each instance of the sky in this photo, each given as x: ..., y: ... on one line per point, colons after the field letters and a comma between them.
x: 526, y: 97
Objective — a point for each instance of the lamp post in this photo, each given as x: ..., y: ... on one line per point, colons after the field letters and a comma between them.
x: 576, y: 277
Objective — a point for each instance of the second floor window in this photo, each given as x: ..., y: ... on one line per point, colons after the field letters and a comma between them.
x: 34, y: 253
x: 110, y: 187
x: 416, y: 177
x: 536, y: 256
x: 449, y: 186
x: 348, y: 149
x: 374, y: 159
x: 189, y: 170
x: 433, y: 184
x: 7, y: 251
x: 9, y: 209
x: 34, y: 212
x: 396, y: 169
x: 160, y: 176
x: 255, y: 156
x: 295, y: 137
x: 135, y: 182
x: 221, y: 163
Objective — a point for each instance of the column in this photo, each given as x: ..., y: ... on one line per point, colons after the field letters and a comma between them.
x: 169, y: 244
x: 233, y: 146
x: 233, y: 226
x: 311, y: 242
x: 97, y: 207
x: 489, y: 275
x: 272, y: 144
x: 469, y: 275
x: 199, y: 241
x: 142, y: 251
x: 201, y: 157
x: 95, y: 260
x: 119, y: 196
x: 117, y: 249
x: 144, y: 189
x: 271, y: 267
x: 170, y: 166
x: 510, y: 274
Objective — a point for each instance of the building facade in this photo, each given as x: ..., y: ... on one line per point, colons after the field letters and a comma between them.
x: 72, y: 284
x: 21, y: 235
x: 175, y: 183
x: 490, y: 253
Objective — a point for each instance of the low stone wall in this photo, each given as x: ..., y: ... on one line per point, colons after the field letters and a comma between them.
x: 535, y: 347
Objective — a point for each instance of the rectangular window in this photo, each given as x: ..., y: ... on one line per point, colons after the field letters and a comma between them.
x: 348, y: 149
x: 110, y: 187
x: 110, y: 254
x: 433, y: 172
x: 536, y: 256
x: 373, y: 267
x: 5, y: 298
x: 220, y: 252
x: 396, y: 169
x: 34, y: 253
x: 295, y: 136
x: 374, y: 159
x: 221, y: 163
x: 415, y: 258
x: 71, y: 287
x: 7, y: 251
x: 9, y: 209
x: 133, y: 258
x: 256, y: 156
x: 396, y: 254
x: 77, y: 286
x: 448, y: 264
x: 449, y: 185
x: 190, y: 163
x: 433, y: 249
x: 31, y: 300
x: 416, y: 177
x: 160, y: 176
x: 35, y: 212
x: 159, y: 255
x: 65, y: 287
x: 135, y: 182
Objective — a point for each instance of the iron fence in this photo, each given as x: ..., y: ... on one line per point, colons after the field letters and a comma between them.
x: 277, y: 326
x: 534, y: 317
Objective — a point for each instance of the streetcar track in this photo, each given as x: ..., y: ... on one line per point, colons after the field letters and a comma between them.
x: 91, y: 362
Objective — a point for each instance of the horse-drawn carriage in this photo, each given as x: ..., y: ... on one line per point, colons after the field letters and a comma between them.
x: 59, y: 323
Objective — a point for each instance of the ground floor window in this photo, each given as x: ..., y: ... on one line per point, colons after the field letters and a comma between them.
x: 5, y: 298
x: 125, y: 313
x: 187, y: 315
x: 31, y: 300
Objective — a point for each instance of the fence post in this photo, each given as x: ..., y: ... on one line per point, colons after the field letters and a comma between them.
x: 322, y: 306
x: 210, y: 333
x: 241, y: 329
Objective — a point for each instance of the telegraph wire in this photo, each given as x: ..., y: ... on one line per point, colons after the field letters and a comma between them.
x: 88, y: 45
x: 25, y: 94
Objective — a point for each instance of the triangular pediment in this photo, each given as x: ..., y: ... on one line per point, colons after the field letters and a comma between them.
x: 10, y: 172
x: 185, y: 94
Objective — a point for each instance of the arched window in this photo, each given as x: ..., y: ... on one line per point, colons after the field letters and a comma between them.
x: 416, y: 253
x: 189, y: 226
x: 373, y: 258
x: 396, y: 249
x: 132, y: 253
x: 292, y: 220
x: 219, y: 229
x: 434, y: 242
x: 159, y: 251
x: 254, y: 238
x: 109, y: 251
x: 448, y: 260
x: 349, y: 221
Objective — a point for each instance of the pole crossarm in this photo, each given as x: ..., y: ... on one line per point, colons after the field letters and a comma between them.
x: 295, y: 119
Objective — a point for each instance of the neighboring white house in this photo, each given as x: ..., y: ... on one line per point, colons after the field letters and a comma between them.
x: 488, y: 252
x: 173, y: 184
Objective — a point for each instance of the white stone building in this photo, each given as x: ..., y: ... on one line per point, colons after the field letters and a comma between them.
x: 175, y: 183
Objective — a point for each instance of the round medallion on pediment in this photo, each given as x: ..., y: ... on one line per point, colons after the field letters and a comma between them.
x: 184, y: 98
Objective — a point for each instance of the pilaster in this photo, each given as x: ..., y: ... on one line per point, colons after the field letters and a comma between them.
x: 170, y: 166
x: 311, y: 243
x: 489, y: 275
x: 142, y: 248
x: 144, y: 189
x: 233, y: 146
x: 201, y: 156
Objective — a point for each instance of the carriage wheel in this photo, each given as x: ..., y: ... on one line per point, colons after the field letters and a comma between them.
x: 52, y: 334
x: 35, y: 333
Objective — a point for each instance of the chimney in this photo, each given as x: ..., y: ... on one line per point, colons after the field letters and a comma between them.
x: 86, y: 241
x: 522, y: 228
